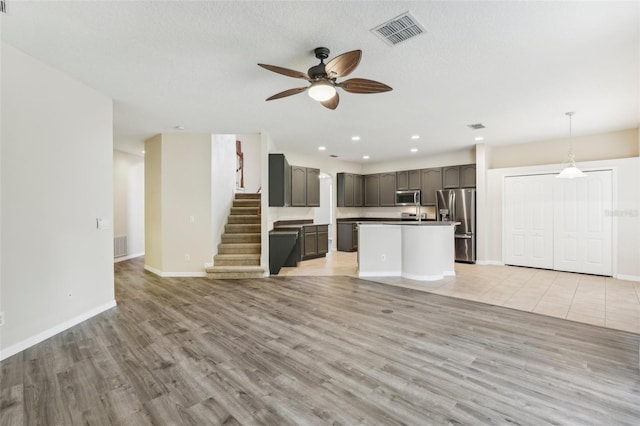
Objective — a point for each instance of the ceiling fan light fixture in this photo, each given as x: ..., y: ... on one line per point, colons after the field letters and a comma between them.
x: 321, y: 91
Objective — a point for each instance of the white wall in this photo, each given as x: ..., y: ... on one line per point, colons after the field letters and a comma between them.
x: 223, y: 184
x: 128, y: 200
x: 178, y: 206
x: 611, y: 145
x: 452, y: 158
x: 626, y: 210
x: 56, y: 179
x: 252, y: 150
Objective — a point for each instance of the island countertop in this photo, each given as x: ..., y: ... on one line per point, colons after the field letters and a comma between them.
x: 422, y: 251
x: 410, y: 223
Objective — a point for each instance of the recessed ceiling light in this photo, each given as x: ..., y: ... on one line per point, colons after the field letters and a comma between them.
x: 415, y: 137
x: 144, y: 152
x: 180, y: 127
x: 414, y: 150
x: 322, y: 148
x: 365, y: 157
x: 355, y: 138
x: 479, y: 138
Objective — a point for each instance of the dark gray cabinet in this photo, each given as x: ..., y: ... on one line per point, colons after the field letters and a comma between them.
x: 315, y: 242
x: 372, y: 190
x: 279, y: 181
x: 431, y: 180
x: 408, y: 179
x: 323, y: 239
x: 349, y: 190
x: 298, y: 186
x: 358, y: 191
x: 468, y: 176
x: 345, y: 189
x: 387, y: 189
x: 459, y: 176
x: 294, y: 186
x: 313, y: 187
x: 347, y: 236
x: 451, y: 177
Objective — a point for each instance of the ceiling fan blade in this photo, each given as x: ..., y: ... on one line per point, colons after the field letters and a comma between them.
x: 362, y: 85
x: 287, y: 93
x: 285, y: 71
x: 331, y: 103
x: 343, y: 64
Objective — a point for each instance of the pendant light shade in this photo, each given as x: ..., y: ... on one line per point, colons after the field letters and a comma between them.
x: 571, y: 171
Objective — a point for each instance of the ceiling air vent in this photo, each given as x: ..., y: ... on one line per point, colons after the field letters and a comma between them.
x: 399, y: 29
x: 476, y: 126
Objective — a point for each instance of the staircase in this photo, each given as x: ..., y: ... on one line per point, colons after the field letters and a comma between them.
x: 239, y: 252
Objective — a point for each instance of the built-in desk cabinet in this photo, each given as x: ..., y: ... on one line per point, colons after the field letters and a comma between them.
x: 316, y: 241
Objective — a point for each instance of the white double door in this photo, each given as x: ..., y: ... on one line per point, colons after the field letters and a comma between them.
x: 562, y: 224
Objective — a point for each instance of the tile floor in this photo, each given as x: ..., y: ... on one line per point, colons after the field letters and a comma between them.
x: 590, y: 299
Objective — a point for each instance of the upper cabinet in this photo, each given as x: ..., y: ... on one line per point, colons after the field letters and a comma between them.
x: 298, y: 186
x: 431, y: 182
x: 294, y: 186
x: 349, y: 190
x: 279, y: 181
x: 358, y: 190
x: 387, y: 189
x: 313, y: 187
x: 408, y: 179
x: 379, y: 189
x: 451, y: 177
x: 372, y: 190
x: 468, y: 176
x: 459, y: 176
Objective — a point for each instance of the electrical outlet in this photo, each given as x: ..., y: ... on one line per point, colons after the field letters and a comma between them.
x: 187, y: 257
x: 1, y: 318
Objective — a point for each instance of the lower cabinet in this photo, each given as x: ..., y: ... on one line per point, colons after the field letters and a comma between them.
x: 316, y: 241
x: 347, y: 236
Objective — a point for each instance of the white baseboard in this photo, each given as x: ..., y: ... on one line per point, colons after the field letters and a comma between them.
x: 628, y: 277
x: 131, y: 256
x: 379, y: 274
x: 33, y: 340
x: 489, y: 262
x: 174, y: 274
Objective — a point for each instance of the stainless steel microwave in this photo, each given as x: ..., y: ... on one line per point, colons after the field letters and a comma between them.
x: 408, y: 198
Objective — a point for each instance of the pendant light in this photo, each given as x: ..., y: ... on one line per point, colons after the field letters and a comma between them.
x: 571, y: 171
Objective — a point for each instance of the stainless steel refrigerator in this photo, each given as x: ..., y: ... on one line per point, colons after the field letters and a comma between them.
x: 459, y: 205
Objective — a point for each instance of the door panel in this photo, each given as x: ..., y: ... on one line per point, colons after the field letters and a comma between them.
x: 529, y: 221
x: 583, y: 231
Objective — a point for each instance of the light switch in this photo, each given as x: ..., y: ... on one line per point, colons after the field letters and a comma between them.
x: 192, y: 219
x: 102, y: 223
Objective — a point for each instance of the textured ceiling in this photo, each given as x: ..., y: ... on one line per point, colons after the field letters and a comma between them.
x: 514, y: 66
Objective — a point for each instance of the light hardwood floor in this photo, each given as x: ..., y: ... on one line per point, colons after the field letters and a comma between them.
x: 584, y: 298
x: 318, y: 350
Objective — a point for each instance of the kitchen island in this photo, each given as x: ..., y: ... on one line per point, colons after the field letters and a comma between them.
x: 422, y: 251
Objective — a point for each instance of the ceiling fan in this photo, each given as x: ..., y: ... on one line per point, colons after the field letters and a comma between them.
x: 323, y: 78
